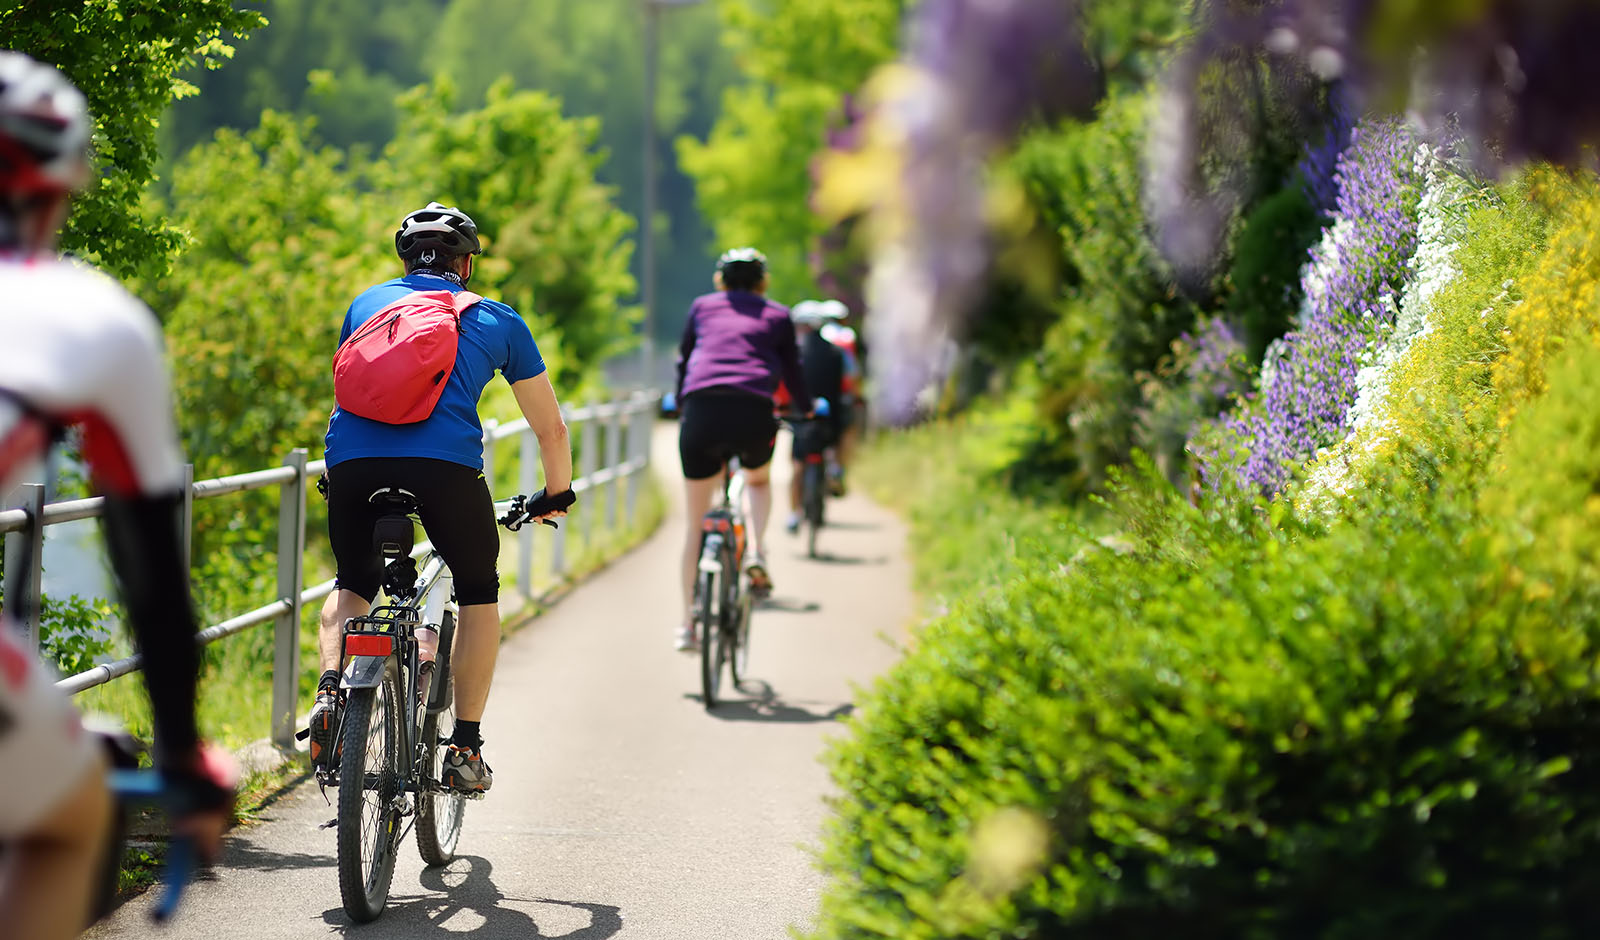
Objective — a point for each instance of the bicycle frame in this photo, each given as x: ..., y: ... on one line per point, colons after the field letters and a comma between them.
x: 390, y: 631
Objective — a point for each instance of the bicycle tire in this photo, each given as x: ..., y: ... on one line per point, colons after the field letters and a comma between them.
x: 439, y: 813
x: 811, y: 500
x: 739, y: 661
x: 707, y: 604
x: 364, y: 887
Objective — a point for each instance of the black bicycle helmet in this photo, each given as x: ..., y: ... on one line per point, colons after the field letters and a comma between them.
x: 44, y: 128
x: 742, y: 267
x: 444, y: 229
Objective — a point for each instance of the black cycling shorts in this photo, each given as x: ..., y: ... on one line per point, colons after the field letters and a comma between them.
x: 456, y: 510
x: 718, y: 424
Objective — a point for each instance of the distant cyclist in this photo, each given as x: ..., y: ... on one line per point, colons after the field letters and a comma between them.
x: 80, y: 351
x: 849, y: 414
x: 736, y: 346
x: 825, y: 370
x: 439, y: 459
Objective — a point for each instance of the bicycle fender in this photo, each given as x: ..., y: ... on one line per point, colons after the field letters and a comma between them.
x: 364, y: 672
x: 710, y: 556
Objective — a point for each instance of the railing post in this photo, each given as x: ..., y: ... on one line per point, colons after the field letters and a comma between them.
x: 591, y: 449
x: 614, y: 428
x: 527, y: 484
x: 632, y: 449
x: 25, y: 562
x: 188, y: 517
x: 488, y: 453
x: 291, y: 578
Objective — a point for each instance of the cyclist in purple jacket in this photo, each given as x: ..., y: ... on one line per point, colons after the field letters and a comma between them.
x: 736, y: 345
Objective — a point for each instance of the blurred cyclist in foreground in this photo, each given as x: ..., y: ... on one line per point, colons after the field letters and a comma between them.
x: 736, y: 345
x: 80, y: 351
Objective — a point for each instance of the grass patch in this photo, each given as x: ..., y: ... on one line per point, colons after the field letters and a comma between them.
x: 970, y: 524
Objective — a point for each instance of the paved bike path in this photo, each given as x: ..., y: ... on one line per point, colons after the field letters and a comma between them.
x: 620, y: 807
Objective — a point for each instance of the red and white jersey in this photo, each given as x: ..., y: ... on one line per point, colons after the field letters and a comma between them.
x: 78, y: 349
x: 75, y: 349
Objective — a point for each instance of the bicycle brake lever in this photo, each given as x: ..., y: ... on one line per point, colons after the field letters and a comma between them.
x: 550, y: 522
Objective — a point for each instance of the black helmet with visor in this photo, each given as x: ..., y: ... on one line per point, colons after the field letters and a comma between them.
x: 445, y: 231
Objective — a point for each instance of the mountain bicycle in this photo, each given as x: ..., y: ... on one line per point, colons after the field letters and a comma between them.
x: 810, y: 436
x: 722, y: 591
x: 399, y: 714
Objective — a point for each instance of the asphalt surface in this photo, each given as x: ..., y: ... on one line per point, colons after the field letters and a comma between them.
x: 620, y: 808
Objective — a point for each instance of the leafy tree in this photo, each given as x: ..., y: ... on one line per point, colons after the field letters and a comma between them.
x: 340, y: 61
x: 279, y: 230
x: 346, y: 61
x: 126, y: 56
x: 556, y: 243
x: 800, y: 60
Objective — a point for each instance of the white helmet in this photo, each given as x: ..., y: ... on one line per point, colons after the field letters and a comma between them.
x: 44, y: 128
x: 834, y: 309
x: 814, y: 313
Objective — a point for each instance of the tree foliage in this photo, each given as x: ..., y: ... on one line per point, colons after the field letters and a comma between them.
x: 126, y: 56
x: 346, y: 63
x: 800, y: 60
x: 555, y: 242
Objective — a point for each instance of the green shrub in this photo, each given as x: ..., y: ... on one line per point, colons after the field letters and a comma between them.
x: 1273, y: 244
x: 1120, y: 309
x: 1235, y: 729
x: 970, y: 526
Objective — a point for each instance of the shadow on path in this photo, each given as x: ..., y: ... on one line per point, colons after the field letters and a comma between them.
x: 788, y: 605
x: 465, y: 887
x: 854, y: 526
x: 828, y: 558
x: 768, y: 706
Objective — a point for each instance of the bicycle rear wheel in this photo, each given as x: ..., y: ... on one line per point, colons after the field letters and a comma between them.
x: 440, y: 812
x: 811, y: 499
x: 708, y: 621
x: 371, y: 782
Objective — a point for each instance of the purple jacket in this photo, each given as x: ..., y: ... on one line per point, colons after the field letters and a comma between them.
x: 739, y: 341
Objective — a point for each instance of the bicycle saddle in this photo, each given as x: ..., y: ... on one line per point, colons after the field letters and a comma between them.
x: 394, y: 535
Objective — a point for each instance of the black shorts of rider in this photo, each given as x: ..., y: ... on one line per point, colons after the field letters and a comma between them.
x: 457, y: 515
x: 722, y: 423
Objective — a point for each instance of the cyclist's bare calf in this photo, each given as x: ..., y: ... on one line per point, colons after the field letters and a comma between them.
x: 698, y: 496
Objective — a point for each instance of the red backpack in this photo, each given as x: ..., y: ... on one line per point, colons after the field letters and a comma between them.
x: 394, y: 368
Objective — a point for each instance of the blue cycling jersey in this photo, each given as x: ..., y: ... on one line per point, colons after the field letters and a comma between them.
x: 493, y: 338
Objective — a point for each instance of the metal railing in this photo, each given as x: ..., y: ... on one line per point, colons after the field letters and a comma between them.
x: 624, y: 425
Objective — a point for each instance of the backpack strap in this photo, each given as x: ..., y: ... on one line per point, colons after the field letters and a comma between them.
x: 462, y: 300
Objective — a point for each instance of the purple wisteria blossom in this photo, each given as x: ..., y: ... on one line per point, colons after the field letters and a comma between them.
x: 1309, y: 382
x: 982, y: 68
x: 1319, y: 158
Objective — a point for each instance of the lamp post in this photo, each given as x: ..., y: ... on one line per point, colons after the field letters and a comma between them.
x: 647, y: 239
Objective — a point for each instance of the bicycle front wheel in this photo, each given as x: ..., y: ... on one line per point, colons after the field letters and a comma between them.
x: 739, y: 658
x: 440, y: 812
x: 371, y: 785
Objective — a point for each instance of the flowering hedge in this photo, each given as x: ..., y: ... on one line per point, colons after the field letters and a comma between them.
x: 1308, y: 384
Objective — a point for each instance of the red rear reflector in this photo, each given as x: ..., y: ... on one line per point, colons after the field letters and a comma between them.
x: 368, y: 644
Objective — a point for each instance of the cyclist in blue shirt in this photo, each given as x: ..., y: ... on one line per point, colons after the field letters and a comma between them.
x: 440, y: 460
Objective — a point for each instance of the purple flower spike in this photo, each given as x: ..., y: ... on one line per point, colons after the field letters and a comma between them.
x: 1308, y: 385
x: 983, y: 68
